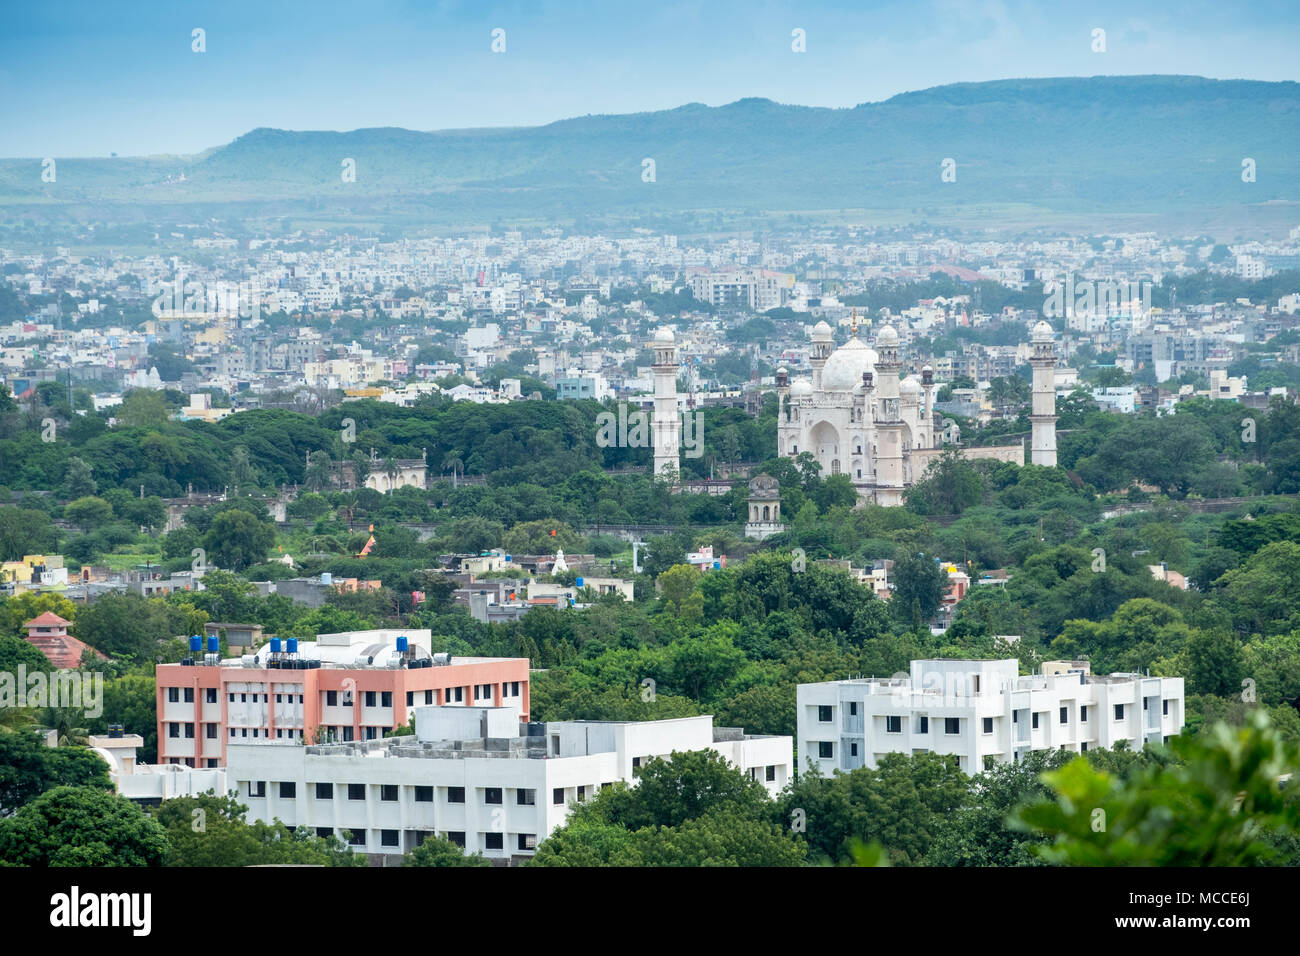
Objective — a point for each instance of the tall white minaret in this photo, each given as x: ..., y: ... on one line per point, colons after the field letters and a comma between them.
x: 1042, y: 357
x: 820, y: 351
x: 667, y: 424
x: 889, y: 421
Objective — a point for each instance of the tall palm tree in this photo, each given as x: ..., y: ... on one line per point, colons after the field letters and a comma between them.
x: 67, y: 722
x: 392, y: 470
x: 453, y: 464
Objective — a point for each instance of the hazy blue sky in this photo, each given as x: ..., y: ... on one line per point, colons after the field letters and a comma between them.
x: 90, y: 78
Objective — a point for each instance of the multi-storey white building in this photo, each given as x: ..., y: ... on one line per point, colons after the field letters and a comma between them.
x: 474, y: 775
x: 982, y: 709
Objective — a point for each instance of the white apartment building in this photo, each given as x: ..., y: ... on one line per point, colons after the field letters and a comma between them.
x: 982, y: 709
x: 473, y: 775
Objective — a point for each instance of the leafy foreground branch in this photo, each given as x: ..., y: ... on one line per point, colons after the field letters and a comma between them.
x: 1225, y: 800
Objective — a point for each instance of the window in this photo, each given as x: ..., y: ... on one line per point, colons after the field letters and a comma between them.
x: 388, y: 838
x: 853, y: 750
x: 1035, y: 718
x: 457, y: 837
x: 825, y: 749
x: 1083, y: 712
x: 331, y: 698
x: 528, y: 841
x: 894, y: 724
x: 1144, y: 703
x: 212, y: 762
x: 370, y: 698
x: 557, y: 796
x: 173, y: 695
x: 372, y: 733
x: 582, y: 792
x: 514, y: 688
x: 1083, y: 748
x: 212, y: 731
x: 1119, y: 711
x: 1065, y: 715
x: 923, y: 724
x: 494, y: 841
x: 189, y: 731
x: 243, y: 698
x: 356, y: 838
x: 232, y: 731
x: 410, y: 698
x: 428, y: 697
x: 356, y: 791
x: 952, y: 725
x: 988, y: 725
x: 388, y: 792
x: 771, y: 772
x: 324, y: 791
x: 232, y: 698
x: 1015, y: 716
x: 824, y: 714
x: 455, y: 794
x: 526, y: 798
x: 288, y: 791
x: 348, y: 733
x: 325, y: 832
x: 386, y: 698
x: 424, y: 794
x: 853, y: 708
x: 1164, y: 708
x: 243, y: 732
x: 189, y: 695
x: 460, y: 694
x: 257, y: 788
x: 279, y: 698
x: 636, y: 762
x: 173, y: 730
x: 975, y: 683
x: 210, y: 696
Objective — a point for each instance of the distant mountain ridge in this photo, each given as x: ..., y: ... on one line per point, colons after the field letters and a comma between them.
x: 1084, y: 145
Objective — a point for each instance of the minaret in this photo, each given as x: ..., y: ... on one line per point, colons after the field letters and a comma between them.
x: 782, y: 396
x: 667, y: 424
x: 820, y: 352
x: 889, y: 423
x: 1042, y: 357
x: 927, y: 411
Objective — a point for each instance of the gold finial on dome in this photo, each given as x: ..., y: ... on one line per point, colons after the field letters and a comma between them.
x: 855, y: 323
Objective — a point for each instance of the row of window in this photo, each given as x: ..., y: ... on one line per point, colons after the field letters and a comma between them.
x: 280, y: 733
x: 176, y: 695
x: 392, y: 838
x: 388, y: 792
x: 952, y: 725
x: 258, y: 698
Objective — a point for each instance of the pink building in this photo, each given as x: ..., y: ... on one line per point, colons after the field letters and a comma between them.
x: 351, y: 686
